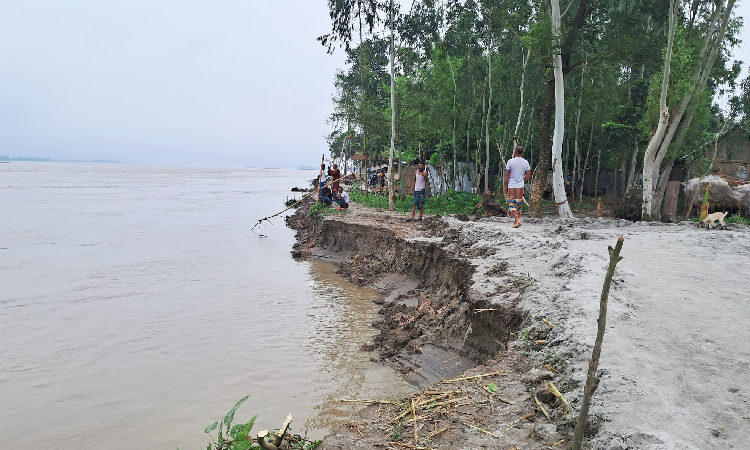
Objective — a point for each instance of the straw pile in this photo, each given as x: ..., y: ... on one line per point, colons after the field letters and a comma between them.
x: 720, y: 194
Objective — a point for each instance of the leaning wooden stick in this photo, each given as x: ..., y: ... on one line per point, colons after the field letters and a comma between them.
x: 592, y: 382
x: 300, y: 201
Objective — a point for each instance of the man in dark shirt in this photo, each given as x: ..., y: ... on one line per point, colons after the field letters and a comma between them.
x: 335, y: 174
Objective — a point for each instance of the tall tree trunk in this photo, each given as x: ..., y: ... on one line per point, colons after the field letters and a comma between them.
x: 391, y: 205
x: 653, y: 145
x: 696, y: 93
x: 598, y: 166
x: 631, y: 175
x: 455, y: 149
x: 558, y: 177
x: 525, y: 61
x: 586, y: 160
x: 701, y: 72
x: 487, y: 122
x: 662, y: 185
x: 576, y: 158
x: 539, y: 180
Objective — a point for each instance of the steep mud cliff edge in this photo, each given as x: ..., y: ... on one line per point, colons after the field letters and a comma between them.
x: 471, y: 297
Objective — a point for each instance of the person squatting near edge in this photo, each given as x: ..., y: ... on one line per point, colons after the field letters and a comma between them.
x: 517, y: 172
x: 341, y: 198
x: 419, y: 189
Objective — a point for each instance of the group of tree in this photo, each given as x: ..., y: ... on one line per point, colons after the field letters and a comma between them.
x: 623, y: 86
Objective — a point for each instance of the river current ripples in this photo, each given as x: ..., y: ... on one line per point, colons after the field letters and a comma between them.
x: 137, y: 306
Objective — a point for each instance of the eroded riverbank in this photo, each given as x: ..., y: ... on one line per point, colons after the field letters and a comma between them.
x: 484, y: 293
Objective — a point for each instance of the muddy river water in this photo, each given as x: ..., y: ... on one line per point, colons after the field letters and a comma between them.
x: 136, y: 307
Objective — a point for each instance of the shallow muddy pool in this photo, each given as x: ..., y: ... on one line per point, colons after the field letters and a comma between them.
x: 136, y: 307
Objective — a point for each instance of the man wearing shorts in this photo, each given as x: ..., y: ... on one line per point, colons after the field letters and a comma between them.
x: 517, y: 172
x: 419, y: 189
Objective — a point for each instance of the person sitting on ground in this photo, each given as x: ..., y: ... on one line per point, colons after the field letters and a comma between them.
x: 325, y: 194
x: 517, y: 172
x: 335, y: 174
x: 341, y: 198
x: 419, y: 189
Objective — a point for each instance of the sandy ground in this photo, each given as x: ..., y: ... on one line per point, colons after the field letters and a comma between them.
x: 676, y: 356
x: 677, y: 350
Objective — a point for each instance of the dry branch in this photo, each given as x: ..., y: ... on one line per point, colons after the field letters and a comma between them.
x: 592, y: 382
x: 551, y: 325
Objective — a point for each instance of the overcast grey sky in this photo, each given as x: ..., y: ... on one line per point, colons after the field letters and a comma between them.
x: 228, y: 82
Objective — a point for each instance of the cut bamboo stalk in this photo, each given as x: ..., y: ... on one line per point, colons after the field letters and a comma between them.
x: 519, y: 420
x: 504, y: 400
x: 559, y: 395
x: 533, y: 427
x: 380, y: 402
x: 436, y: 432
x: 455, y: 380
x: 439, y: 397
x: 414, y: 418
x: 592, y: 382
x: 481, y: 430
x: 539, y: 404
x: 404, y: 445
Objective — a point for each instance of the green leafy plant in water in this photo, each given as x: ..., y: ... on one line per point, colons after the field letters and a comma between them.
x: 237, y: 436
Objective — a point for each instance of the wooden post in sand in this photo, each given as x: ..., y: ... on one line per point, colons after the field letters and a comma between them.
x: 592, y: 382
x: 670, y: 201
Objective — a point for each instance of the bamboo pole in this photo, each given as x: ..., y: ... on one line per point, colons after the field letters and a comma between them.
x: 592, y: 382
x: 300, y: 200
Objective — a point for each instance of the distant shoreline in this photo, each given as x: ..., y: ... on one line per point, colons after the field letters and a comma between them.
x: 6, y: 159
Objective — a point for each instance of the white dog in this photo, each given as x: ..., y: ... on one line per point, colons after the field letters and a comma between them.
x: 712, y: 218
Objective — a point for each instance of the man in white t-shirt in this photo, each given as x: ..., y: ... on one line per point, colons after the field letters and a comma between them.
x: 517, y: 172
x: 419, y: 189
x: 341, y: 198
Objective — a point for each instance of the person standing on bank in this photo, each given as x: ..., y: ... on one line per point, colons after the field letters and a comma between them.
x: 335, y: 174
x: 419, y: 189
x: 517, y: 172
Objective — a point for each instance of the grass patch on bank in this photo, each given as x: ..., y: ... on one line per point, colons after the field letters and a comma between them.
x: 458, y: 202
